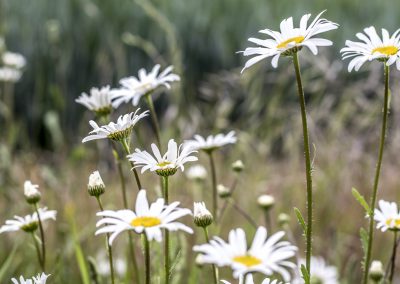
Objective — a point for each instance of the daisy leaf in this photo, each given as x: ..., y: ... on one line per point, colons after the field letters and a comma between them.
x: 361, y: 200
x: 300, y: 219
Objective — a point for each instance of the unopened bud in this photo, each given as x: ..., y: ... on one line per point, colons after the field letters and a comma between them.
x: 376, y: 271
x: 266, y: 201
x: 197, y: 173
x: 283, y: 219
x: 238, y: 166
x: 96, y: 186
x: 202, y: 217
x: 31, y: 192
x: 199, y: 260
x: 223, y: 191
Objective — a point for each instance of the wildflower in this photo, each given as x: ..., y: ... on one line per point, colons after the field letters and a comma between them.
x: 266, y: 255
x: 223, y: 191
x: 96, y: 186
x: 249, y: 280
x: 133, y: 88
x: 202, y: 217
x: 321, y: 273
x: 39, y: 279
x: 289, y: 40
x: 115, y: 131
x: 196, y: 172
x: 147, y: 219
x: 266, y: 201
x: 211, y: 143
x: 165, y: 165
x: 13, y: 60
x: 99, y: 101
x: 388, y: 217
x: 283, y: 219
x: 376, y: 271
x: 8, y: 74
x: 31, y: 192
x: 373, y: 47
x: 29, y: 223
x: 237, y: 166
x: 103, y: 265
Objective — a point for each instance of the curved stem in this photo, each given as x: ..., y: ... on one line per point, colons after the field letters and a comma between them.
x: 154, y: 119
x: 128, y: 151
x: 109, y: 249
x: 377, y: 174
x: 307, y: 162
x: 233, y: 188
x: 214, y: 186
x: 42, y: 238
x: 393, y: 260
x: 166, y: 233
x: 147, y: 257
x: 243, y: 213
x: 214, y: 268
x: 37, y: 251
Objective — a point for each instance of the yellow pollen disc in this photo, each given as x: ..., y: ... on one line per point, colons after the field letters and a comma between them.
x: 163, y: 164
x: 389, y: 221
x: 247, y: 260
x: 145, y: 222
x: 397, y: 222
x: 296, y: 39
x: 386, y: 50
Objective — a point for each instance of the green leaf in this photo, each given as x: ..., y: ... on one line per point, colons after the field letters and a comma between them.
x: 300, y: 219
x: 361, y: 200
x: 305, y: 274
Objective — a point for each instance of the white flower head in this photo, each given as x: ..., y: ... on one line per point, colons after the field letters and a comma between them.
x: 29, y: 223
x: 31, y: 192
x: 385, y: 48
x: 39, y: 279
x: 387, y: 216
x: 202, y: 217
x: 266, y: 201
x: 212, y: 143
x: 249, y: 280
x: 376, y: 271
x: 96, y: 186
x: 165, y: 165
x: 98, y: 101
x: 133, y: 88
x: 320, y: 272
x: 8, y: 74
x: 13, y: 60
x: 146, y: 219
x: 196, y: 172
x: 289, y: 39
x: 115, y: 131
x: 103, y: 265
x: 265, y: 255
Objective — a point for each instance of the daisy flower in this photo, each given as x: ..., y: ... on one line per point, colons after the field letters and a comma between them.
x: 8, y: 74
x: 147, y: 219
x: 29, y: 223
x: 13, y: 60
x: 265, y: 255
x: 165, y: 165
x: 249, y: 280
x: 387, y: 216
x: 39, y: 279
x: 196, y: 172
x: 99, y: 100
x: 211, y: 143
x: 289, y: 39
x: 320, y: 272
x: 201, y: 216
x: 115, y: 131
x: 372, y: 47
x: 133, y: 88
x: 31, y: 192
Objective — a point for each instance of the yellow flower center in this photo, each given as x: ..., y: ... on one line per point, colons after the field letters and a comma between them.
x: 396, y: 222
x: 386, y: 50
x: 247, y: 260
x: 164, y: 164
x: 145, y: 222
x: 296, y: 39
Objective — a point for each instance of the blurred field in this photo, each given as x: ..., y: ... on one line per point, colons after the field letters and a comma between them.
x: 72, y: 45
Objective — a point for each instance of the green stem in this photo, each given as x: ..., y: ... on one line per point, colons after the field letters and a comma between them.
x: 37, y: 251
x: 166, y: 233
x: 147, y: 257
x: 109, y: 249
x: 214, y: 185
x: 377, y: 174
x: 41, y: 237
x: 128, y: 151
x: 120, y: 173
x: 307, y: 161
x: 214, y: 268
x: 242, y: 212
x: 393, y: 261
x: 154, y: 119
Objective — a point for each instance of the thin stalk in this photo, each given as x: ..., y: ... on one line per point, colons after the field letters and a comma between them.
x: 214, y: 185
x: 120, y: 174
x: 43, y: 244
x: 393, y: 260
x: 154, y: 119
x: 147, y: 257
x: 268, y: 221
x: 37, y: 250
x: 233, y: 188
x: 377, y: 174
x: 307, y: 162
x: 243, y: 213
x: 214, y: 268
x: 166, y: 234
x: 109, y: 249
x: 128, y: 151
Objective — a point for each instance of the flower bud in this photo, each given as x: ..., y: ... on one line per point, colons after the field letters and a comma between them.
x: 199, y: 260
x: 202, y: 217
x: 376, y: 271
x: 223, y: 191
x: 283, y: 219
x: 237, y: 166
x: 96, y: 186
x: 197, y: 173
x: 266, y: 201
x: 31, y: 192
x: 30, y: 227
